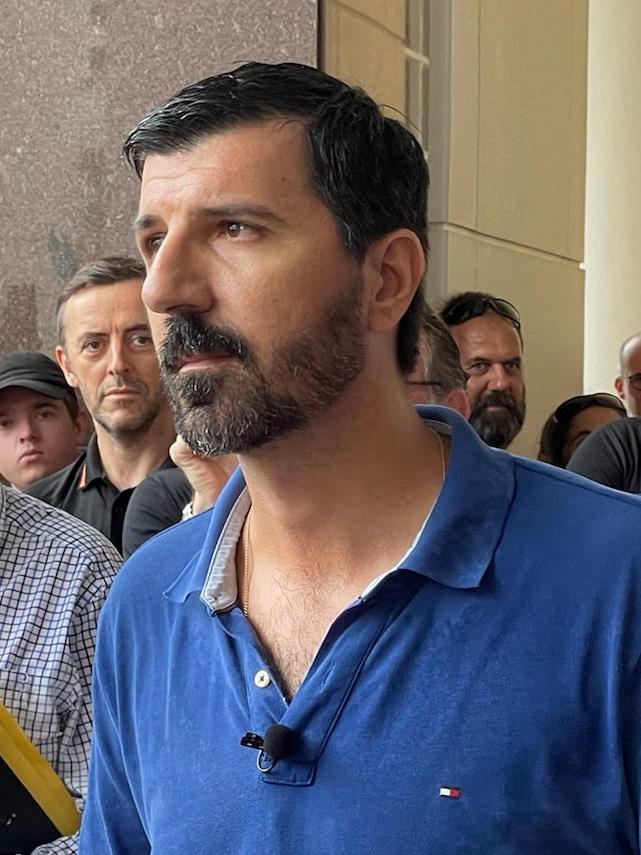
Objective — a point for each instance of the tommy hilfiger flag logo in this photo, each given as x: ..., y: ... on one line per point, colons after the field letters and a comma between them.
x: 450, y: 792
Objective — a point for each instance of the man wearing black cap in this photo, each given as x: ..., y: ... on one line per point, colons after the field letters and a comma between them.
x: 41, y: 424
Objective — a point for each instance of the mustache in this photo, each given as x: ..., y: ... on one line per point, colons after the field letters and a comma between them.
x: 188, y: 335
x: 497, y: 399
x: 122, y: 384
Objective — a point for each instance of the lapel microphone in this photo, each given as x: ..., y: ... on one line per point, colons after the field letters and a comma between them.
x: 278, y: 742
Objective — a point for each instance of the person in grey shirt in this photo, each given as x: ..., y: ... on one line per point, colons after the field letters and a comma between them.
x: 612, y: 456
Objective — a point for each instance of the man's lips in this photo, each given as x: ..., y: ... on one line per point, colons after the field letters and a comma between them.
x: 201, y: 361
x: 29, y: 455
x: 121, y: 392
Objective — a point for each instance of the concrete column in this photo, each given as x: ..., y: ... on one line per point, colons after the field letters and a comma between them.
x: 613, y: 197
x: 506, y: 142
x: 363, y: 43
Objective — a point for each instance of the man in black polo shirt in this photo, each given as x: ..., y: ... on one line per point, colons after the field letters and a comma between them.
x: 105, y: 351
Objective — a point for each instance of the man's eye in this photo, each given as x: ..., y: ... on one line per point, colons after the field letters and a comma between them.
x: 141, y: 340
x: 4, y: 424
x: 478, y: 368
x: 235, y: 230
x: 153, y: 244
x: 512, y: 367
x: 92, y: 345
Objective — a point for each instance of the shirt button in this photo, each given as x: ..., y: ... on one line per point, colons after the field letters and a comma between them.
x: 262, y: 679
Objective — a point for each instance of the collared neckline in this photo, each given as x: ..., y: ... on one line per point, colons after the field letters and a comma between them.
x: 92, y: 468
x: 465, y: 525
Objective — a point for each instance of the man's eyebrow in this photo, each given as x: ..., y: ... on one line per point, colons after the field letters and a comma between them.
x: 489, y: 359
x: 90, y: 334
x: 239, y: 209
x: 143, y: 223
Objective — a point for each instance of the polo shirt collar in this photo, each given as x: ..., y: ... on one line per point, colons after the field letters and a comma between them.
x: 92, y: 467
x: 456, y: 546
x: 458, y: 543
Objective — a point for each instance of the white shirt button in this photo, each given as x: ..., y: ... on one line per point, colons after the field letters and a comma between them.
x: 262, y: 679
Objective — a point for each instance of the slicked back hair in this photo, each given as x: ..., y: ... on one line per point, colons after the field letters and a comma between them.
x: 103, y: 271
x: 368, y: 169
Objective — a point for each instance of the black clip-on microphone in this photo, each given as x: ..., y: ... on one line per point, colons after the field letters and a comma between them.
x: 279, y: 741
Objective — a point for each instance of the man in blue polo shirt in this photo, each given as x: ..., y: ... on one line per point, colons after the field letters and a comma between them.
x: 386, y: 636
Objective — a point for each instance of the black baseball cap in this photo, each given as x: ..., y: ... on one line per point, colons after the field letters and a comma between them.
x: 34, y: 371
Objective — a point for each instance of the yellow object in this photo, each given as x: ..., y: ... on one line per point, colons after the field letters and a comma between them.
x: 37, y: 775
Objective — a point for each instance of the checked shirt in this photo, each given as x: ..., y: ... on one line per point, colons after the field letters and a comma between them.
x: 55, y: 572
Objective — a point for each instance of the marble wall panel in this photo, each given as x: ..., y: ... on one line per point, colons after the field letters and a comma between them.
x: 75, y: 76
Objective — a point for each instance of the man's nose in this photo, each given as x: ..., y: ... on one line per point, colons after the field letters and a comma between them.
x: 28, y: 430
x: 498, y: 379
x: 177, y: 278
x: 117, y: 358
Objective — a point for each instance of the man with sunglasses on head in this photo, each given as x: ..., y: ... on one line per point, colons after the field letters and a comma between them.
x: 487, y: 331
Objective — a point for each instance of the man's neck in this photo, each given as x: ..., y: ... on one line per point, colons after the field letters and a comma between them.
x: 352, y: 490
x: 126, y: 464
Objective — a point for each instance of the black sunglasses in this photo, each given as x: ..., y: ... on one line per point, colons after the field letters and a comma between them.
x: 465, y: 310
x: 635, y: 381
x: 573, y: 406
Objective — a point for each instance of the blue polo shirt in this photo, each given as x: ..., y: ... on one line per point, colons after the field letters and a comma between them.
x: 482, y: 698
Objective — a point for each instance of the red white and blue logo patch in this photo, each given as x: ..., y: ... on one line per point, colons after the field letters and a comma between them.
x: 450, y: 792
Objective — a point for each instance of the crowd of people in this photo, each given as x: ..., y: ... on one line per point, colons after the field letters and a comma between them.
x: 350, y: 620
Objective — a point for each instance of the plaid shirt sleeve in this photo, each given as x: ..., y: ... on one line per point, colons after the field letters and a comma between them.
x: 46, y: 651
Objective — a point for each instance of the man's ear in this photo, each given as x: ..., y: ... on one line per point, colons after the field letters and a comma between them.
x: 457, y: 399
x: 61, y: 359
x: 394, y: 266
x: 618, y: 385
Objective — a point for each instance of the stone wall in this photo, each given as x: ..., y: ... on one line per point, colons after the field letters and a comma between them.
x: 76, y: 75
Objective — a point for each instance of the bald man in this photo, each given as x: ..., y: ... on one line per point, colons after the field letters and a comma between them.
x: 628, y: 383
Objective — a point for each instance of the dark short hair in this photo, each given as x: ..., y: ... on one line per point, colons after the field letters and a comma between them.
x: 474, y: 304
x: 103, y: 271
x: 367, y: 168
x: 443, y: 358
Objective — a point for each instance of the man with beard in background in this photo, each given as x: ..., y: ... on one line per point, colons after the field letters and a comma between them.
x: 487, y: 331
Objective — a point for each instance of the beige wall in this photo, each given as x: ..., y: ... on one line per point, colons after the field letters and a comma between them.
x: 506, y: 141
x: 498, y: 88
x: 613, y: 198
x: 363, y: 42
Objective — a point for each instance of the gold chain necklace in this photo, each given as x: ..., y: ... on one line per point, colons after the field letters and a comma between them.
x: 246, y: 562
x: 247, y: 565
x: 439, y: 439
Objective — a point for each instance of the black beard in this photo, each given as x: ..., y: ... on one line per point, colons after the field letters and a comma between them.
x: 236, y: 408
x: 498, y: 428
